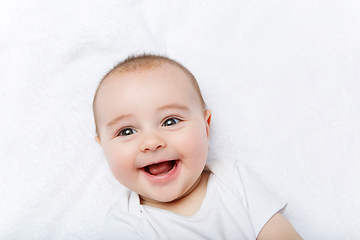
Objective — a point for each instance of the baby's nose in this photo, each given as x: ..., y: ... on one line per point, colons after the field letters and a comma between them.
x: 152, y: 143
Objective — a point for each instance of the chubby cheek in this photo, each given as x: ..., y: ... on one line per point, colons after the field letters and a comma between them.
x: 121, y: 163
x: 194, y: 145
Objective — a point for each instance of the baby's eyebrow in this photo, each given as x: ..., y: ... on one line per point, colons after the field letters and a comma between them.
x: 170, y: 106
x: 115, y: 120
x: 175, y: 105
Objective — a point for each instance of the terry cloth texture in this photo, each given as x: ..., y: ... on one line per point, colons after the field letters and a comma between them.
x: 281, y: 77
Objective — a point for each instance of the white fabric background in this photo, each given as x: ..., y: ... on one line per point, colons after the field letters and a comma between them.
x: 282, y: 79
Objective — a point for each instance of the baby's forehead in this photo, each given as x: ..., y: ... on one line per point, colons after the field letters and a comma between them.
x: 141, y: 72
x: 136, y: 81
x: 145, y: 67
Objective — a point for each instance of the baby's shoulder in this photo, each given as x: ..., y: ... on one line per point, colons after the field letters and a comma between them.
x: 234, y: 174
x: 225, y: 168
x: 128, y: 202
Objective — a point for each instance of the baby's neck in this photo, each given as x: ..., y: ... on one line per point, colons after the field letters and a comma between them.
x: 189, y: 203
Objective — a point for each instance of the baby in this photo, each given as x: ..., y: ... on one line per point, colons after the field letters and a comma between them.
x: 154, y: 128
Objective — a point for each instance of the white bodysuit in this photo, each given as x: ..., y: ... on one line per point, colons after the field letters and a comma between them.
x: 237, y: 205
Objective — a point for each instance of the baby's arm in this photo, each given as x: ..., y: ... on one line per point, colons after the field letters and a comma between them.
x: 278, y: 228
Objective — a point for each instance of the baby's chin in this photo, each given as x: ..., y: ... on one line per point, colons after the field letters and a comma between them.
x: 145, y: 200
x: 170, y: 197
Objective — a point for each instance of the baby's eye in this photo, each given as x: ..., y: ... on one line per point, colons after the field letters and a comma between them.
x: 171, y: 121
x: 125, y: 132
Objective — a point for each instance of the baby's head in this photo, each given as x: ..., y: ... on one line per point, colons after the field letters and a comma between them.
x: 153, y: 126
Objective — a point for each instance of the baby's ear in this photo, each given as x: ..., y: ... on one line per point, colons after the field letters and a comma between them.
x: 208, y: 121
x: 97, y: 139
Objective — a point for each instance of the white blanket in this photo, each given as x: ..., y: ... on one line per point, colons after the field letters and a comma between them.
x: 282, y: 79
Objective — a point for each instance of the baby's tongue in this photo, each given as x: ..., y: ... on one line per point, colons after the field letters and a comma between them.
x: 160, y: 168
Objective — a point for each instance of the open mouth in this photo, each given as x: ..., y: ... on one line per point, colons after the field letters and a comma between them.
x: 161, y: 168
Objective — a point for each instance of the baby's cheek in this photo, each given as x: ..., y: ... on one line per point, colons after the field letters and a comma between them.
x: 196, y: 143
x: 118, y: 164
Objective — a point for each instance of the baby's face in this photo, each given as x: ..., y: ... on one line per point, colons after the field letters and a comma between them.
x: 154, y: 131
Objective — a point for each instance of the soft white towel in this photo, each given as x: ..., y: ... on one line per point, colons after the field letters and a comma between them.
x: 282, y: 79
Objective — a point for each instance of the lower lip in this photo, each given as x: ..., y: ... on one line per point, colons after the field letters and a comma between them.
x: 167, y: 176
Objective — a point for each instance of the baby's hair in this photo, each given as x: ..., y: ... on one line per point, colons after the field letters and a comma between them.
x: 145, y: 62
